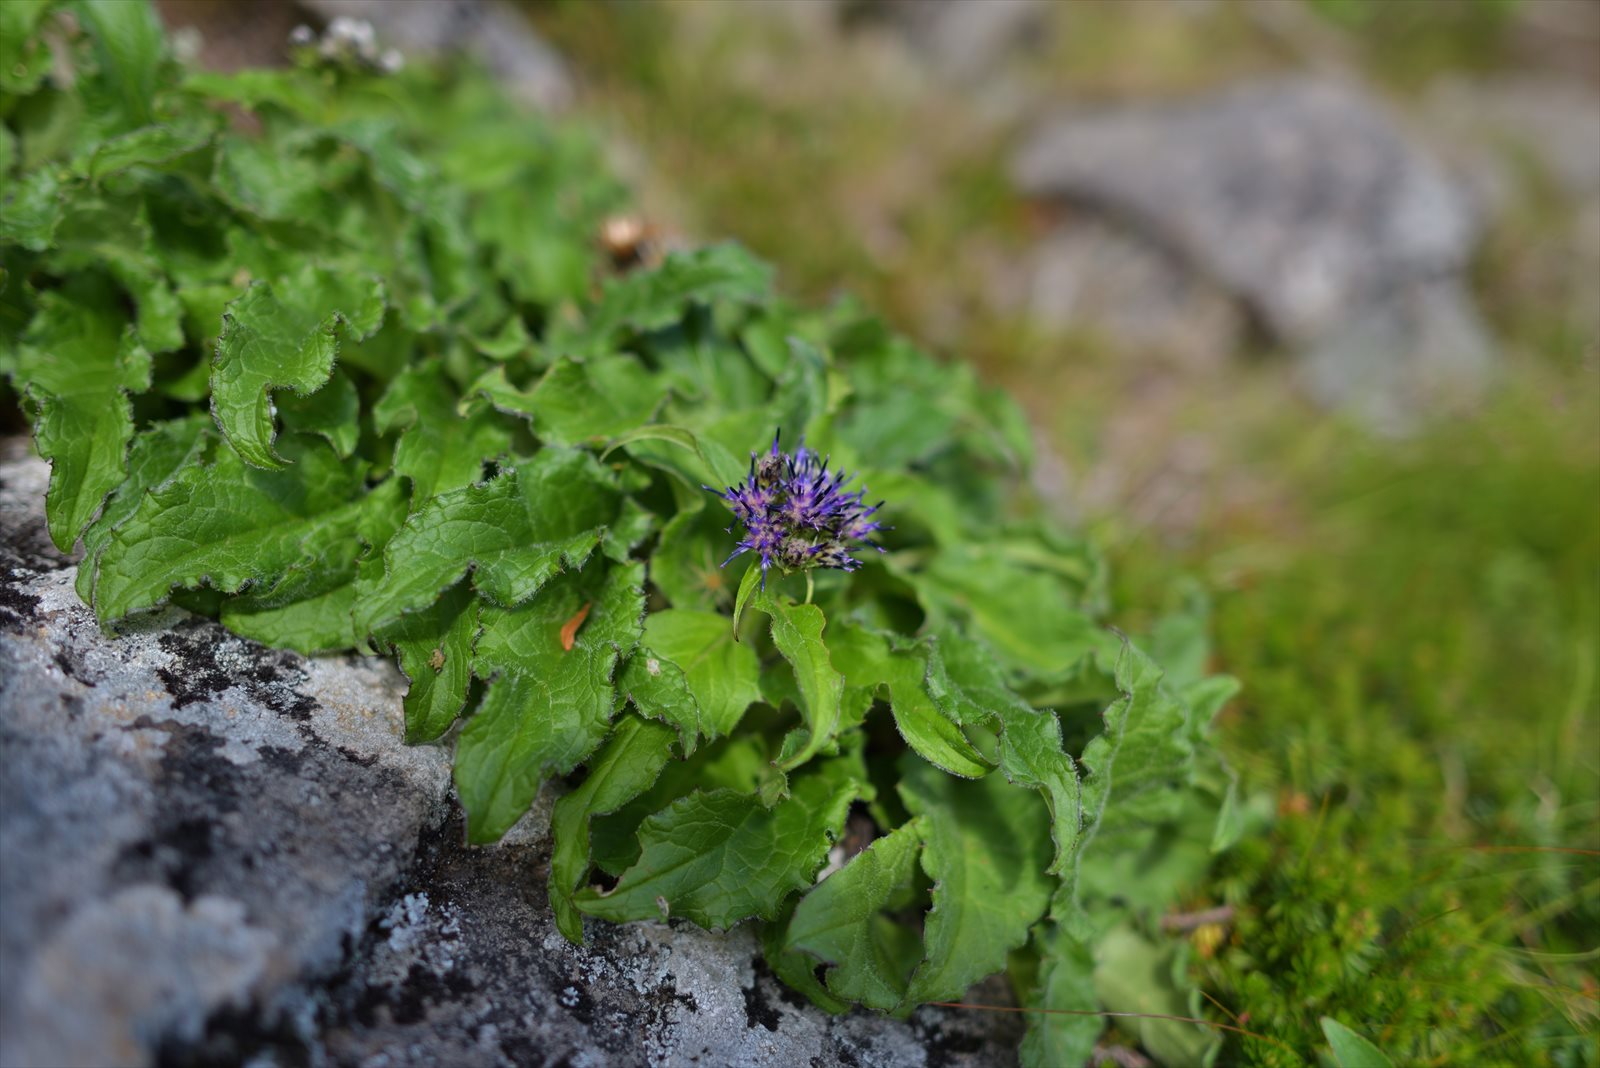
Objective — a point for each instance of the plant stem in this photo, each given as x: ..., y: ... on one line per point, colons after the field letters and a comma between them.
x: 809, y: 584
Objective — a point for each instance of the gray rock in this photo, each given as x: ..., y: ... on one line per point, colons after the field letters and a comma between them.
x: 967, y: 39
x: 492, y: 33
x: 1299, y: 196
x: 1425, y: 348
x: 215, y: 852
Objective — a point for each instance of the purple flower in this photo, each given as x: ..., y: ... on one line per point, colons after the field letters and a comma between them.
x: 797, y: 514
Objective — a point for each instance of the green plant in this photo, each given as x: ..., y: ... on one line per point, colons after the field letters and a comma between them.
x: 329, y: 352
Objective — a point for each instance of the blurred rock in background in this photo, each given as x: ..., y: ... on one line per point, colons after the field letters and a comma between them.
x: 1303, y: 199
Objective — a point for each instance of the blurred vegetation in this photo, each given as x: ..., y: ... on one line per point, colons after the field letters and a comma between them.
x: 1416, y: 622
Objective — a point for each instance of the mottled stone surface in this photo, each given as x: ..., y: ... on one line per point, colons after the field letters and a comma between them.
x: 214, y: 853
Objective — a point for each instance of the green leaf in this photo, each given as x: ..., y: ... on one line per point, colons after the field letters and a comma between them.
x: 576, y: 402
x: 794, y: 968
x: 748, y: 585
x: 333, y: 413
x: 435, y: 650
x: 867, y: 661
x: 31, y: 210
x: 797, y: 632
x: 1351, y: 1050
x: 96, y: 234
x: 76, y: 365
x: 650, y: 300
x: 629, y: 765
x: 692, y: 674
x: 156, y: 455
x: 687, y: 562
x: 131, y: 50
x: 738, y: 763
x: 986, y: 847
x: 228, y: 525
x: 630, y: 529
x: 438, y: 450
x: 147, y: 146
x: 720, y: 467
x: 1027, y: 615
x: 839, y: 922
x: 1133, y: 974
x: 719, y: 857
x: 275, y: 181
x: 513, y: 533
x: 1135, y: 773
x: 547, y: 706
x: 284, y: 336
x: 966, y: 682
x: 289, y: 90
x: 24, y: 59
x: 310, y: 608
x: 1066, y: 986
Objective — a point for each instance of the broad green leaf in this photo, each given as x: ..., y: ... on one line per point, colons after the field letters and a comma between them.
x: 24, y: 59
x: 513, y: 533
x: 739, y: 764
x: 1026, y: 614
x: 867, y: 661
x: 30, y: 209
x: 547, y: 706
x: 131, y: 50
x: 1135, y: 773
x: 156, y: 455
x: 310, y: 608
x: 284, y: 336
x: 692, y: 674
x: 629, y: 765
x: 75, y: 368
x: 435, y: 650
x: 578, y: 403
x: 657, y: 689
x: 719, y: 857
x: 839, y: 921
x: 332, y: 413
x: 227, y: 525
x: 966, y: 682
x: 718, y: 466
x: 630, y: 529
x: 275, y: 181
x: 147, y: 146
x: 796, y: 969
x: 96, y: 234
x: 1350, y: 1049
x: 439, y: 450
x: 687, y: 562
x: 1066, y: 987
x: 797, y: 632
x: 253, y: 89
x: 986, y: 846
x: 650, y: 300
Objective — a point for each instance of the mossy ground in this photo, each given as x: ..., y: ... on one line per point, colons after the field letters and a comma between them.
x: 1416, y: 621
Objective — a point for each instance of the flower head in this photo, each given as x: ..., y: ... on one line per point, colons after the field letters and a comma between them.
x: 797, y: 514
